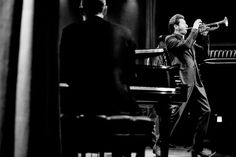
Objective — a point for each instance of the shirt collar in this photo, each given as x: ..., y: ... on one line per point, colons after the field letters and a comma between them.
x: 179, y: 36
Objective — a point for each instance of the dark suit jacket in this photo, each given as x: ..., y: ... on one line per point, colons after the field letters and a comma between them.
x: 182, y: 51
x: 97, y: 61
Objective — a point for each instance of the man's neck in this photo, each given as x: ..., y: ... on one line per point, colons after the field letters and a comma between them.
x: 176, y: 32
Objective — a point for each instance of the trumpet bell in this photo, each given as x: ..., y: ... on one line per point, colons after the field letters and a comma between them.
x: 226, y: 21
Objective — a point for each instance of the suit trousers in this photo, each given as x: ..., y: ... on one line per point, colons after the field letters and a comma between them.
x: 197, y: 102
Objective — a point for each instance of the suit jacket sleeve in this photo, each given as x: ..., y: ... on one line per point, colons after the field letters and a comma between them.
x: 176, y: 45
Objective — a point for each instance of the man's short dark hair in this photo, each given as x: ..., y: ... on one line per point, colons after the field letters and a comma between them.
x: 93, y: 7
x: 173, y: 21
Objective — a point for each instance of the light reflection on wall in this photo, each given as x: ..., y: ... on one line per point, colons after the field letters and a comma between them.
x: 129, y: 14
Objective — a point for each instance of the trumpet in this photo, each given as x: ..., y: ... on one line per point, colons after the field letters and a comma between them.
x: 209, y: 27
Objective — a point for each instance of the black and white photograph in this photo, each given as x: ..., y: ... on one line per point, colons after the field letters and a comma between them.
x: 117, y: 78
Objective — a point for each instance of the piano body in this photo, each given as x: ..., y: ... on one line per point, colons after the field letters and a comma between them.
x: 159, y: 85
x: 153, y: 82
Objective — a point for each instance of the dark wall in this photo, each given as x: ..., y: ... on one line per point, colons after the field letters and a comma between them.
x: 220, y: 84
x: 132, y: 14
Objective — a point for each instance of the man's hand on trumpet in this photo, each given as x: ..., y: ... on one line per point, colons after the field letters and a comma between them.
x: 197, y: 23
x: 203, y: 29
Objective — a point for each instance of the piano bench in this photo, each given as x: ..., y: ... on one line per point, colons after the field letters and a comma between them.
x: 119, y: 135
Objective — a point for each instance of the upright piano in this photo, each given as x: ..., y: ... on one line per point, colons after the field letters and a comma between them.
x: 159, y: 85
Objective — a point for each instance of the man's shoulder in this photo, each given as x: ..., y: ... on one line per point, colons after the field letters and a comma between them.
x: 170, y: 36
x: 71, y: 29
x: 73, y: 25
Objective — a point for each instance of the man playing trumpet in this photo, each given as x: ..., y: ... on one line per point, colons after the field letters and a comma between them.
x: 182, y: 50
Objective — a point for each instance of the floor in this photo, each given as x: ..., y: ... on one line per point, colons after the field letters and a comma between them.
x: 173, y: 152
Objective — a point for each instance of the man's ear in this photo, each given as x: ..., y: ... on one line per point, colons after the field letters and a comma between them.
x: 176, y: 26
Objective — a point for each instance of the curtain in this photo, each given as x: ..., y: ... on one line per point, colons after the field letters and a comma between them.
x: 150, y: 24
x: 150, y: 41
x: 29, y: 101
x: 6, y: 126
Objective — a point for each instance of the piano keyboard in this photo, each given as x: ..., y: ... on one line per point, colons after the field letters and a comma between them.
x: 158, y: 89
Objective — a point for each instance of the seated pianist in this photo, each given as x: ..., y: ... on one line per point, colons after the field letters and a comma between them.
x: 97, y: 67
x: 97, y: 61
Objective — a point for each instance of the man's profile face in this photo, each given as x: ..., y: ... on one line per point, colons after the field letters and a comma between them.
x: 182, y: 27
